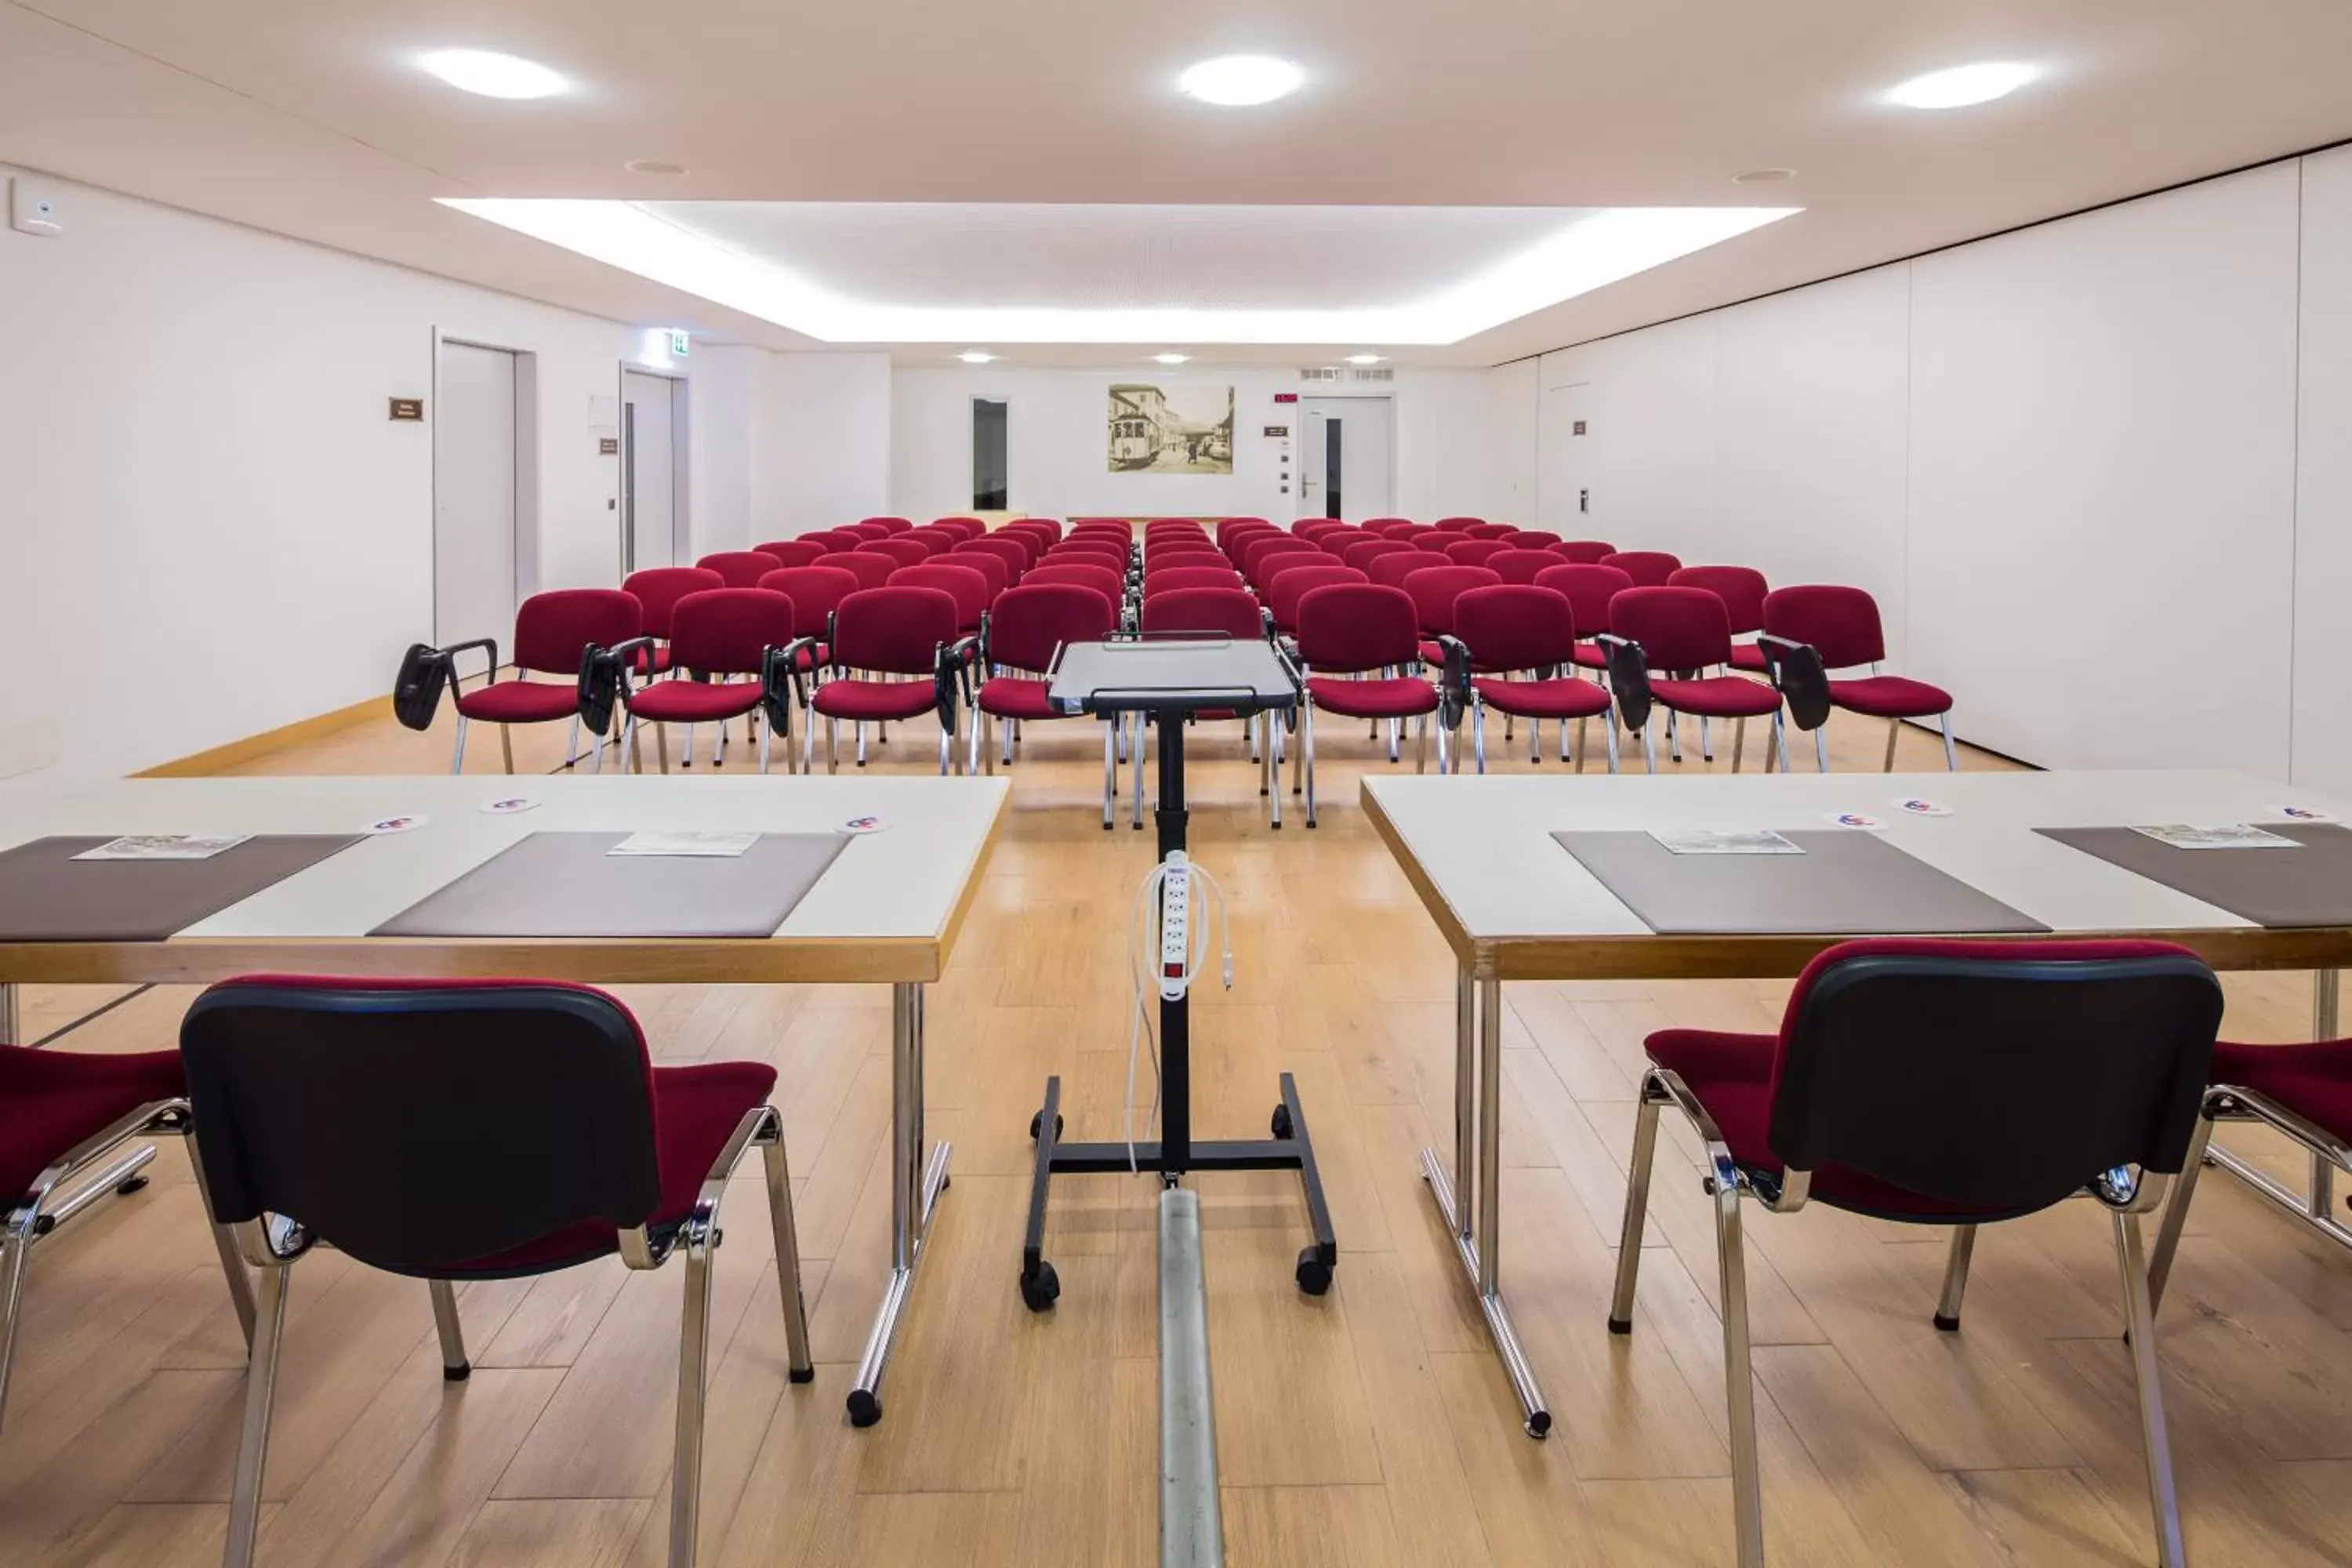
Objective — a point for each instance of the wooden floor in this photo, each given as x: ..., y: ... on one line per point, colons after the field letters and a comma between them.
x: 1370, y: 1428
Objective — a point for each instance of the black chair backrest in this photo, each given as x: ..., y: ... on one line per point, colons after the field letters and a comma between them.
x: 421, y: 1125
x: 1997, y: 1076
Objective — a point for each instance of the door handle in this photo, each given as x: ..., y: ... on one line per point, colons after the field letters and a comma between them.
x: 1584, y: 501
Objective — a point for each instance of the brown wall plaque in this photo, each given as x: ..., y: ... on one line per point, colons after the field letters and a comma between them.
x: 409, y: 408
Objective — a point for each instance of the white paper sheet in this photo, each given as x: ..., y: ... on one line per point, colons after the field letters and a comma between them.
x: 165, y: 846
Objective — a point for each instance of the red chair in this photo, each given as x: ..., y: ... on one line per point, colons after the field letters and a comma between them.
x: 1386, y: 527
x: 1742, y: 591
x: 1585, y: 551
x: 1225, y: 525
x: 1530, y: 539
x: 464, y: 1130
x: 1391, y: 571
x: 1456, y: 524
x: 1589, y: 589
x: 1313, y: 529
x: 1474, y: 551
x: 1046, y: 527
x: 1118, y: 533
x: 1210, y: 612
x: 72, y: 1125
x: 906, y: 549
x: 1018, y: 553
x: 1282, y: 595
x: 1950, y: 1084
x: 1432, y: 593
x: 833, y: 540
x: 1682, y: 631
x: 890, y: 525
x: 938, y: 541
x: 1648, y: 568
x: 1363, y: 629
x: 553, y: 632
x: 874, y: 528
x: 1490, y: 530
x: 1431, y: 542
x: 970, y: 527
x: 792, y: 551
x: 1273, y: 569
x: 1364, y: 551
x: 1233, y: 542
x: 1517, y: 566
x: 1513, y: 629
x: 1192, y: 549
x: 1167, y: 579
x: 1108, y: 556
x: 1258, y: 551
x: 988, y: 564
x: 1103, y: 580
x: 657, y: 590
x: 872, y: 567
x: 815, y: 593
x: 1841, y: 625
x: 744, y: 632
x: 964, y: 581
x: 738, y: 568
x: 1032, y: 544
x: 1027, y: 628
x: 902, y: 630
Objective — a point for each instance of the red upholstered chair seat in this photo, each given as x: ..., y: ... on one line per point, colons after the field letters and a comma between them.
x: 874, y: 698
x: 52, y: 1099
x: 1589, y: 656
x: 2312, y: 1080
x: 653, y: 660
x: 694, y: 701
x: 1014, y: 697
x: 696, y: 1110
x: 1890, y: 697
x: 1719, y: 697
x: 1399, y: 698
x: 1732, y: 1076
x: 521, y: 701
x: 1564, y: 699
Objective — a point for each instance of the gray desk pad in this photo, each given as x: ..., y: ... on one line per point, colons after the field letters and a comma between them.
x: 46, y: 895
x: 563, y: 884
x: 1846, y: 883
x: 1159, y: 667
x: 2273, y: 888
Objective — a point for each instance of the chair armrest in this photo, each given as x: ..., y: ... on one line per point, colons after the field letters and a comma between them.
x: 780, y: 682
x: 1800, y: 677
x: 1629, y: 679
x: 1453, y: 681
x: 1723, y: 1173
x: 951, y: 677
x: 487, y: 645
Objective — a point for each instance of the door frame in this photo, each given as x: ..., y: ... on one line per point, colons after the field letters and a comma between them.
x: 1307, y: 398
x: 681, y: 515
x: 526, y: 465
x: 972, y: 445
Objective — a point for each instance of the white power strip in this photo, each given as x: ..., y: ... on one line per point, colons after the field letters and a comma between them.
x: 1183, y: 943
x: 1175, y: 928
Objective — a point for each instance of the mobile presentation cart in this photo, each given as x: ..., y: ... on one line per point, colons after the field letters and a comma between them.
x: 1166, y: 679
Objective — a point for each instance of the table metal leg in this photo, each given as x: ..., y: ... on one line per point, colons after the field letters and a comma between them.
x: 11, y: 1025
x: 915, y: 1183
x: 1471, y: 1219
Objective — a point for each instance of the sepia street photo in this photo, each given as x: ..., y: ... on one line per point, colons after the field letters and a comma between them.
x: 1179, y: 428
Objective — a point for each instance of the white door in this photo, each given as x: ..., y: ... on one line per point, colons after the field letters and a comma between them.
x: 473, y: 496
x: 1347, y: 461
x: 648, y: 472
x: 1566, y: 469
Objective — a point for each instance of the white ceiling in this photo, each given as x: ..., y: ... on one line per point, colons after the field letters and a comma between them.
x: 306, y: 117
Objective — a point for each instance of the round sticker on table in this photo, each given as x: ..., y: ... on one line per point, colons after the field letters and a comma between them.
x: 1862, y: 820
x: 396, y: 824
x: 1915, y: 807
x: 508, y: 806
x: 2300, y: 813
x: 863, y: 825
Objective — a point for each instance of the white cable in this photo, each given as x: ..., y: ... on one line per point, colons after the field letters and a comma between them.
x: 1140, y: 1032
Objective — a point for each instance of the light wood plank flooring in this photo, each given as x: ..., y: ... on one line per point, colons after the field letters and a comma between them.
x: 1370, y: 1428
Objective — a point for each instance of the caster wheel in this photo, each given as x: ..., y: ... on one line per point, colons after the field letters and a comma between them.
x: 865, y: 1409
x: 1038, y: 1122
x: 130, y: 1185
x: 1281, y: 1125
x: 1314, y: 1274
x: 1041, y: 1289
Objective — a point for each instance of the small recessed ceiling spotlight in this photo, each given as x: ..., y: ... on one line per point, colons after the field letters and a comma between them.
x: 1763, y: 176
x: 493, y: 75
x: 1963, y: 85
x: 1238, y: 81
x: 1171, y: 359
x: 1363, y: 359
x: 653, y: 166
x: 977, y: 356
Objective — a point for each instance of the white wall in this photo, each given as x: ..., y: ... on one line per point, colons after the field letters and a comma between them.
x: 2064, y: 460
x: 1058, y: 464
x: 821, y: 448
x: 199, y: 466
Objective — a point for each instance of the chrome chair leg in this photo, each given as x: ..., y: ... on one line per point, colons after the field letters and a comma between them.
x: 1307, y: 752
x: 1951, y: 758
x: 1779, y: 742
x: 1821, y: 753
x: 1956, y: 1277
x: 1478, y: 728
x: 458, y: 757
x: 1583, y: 729
x: 1637, y: 1212
x: 788, y: 1254
x: 1739, y: 1379
x: 454, y: 1367
x: 571, y: 743
x: 1421, y: 744
x: 1609, y: 723
x: 1674, y: 736
x: 1535, y: 742
x: 1894, y: 733
x: 16, y: 1254
x: 1738, y: 742
x: 1649, y: 748
x: 1561, y: 725
x: 2139, y: 1311
x: 253, y: 1438
x: 2176, y: 1212
x: 687, y: 752
x: 1706, y: 745
x: 693, y: 1386
x: 233, y: 1269
x: 1111, y: 771
x: 832, y: 745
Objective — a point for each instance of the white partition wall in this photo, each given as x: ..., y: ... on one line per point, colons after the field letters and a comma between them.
x: 2065, y: 460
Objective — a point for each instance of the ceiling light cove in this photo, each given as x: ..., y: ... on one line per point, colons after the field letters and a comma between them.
x: 1241, y: 81
x: 1363, y: 359
x: 493, y: 75
x: 1963, y: 86
x: 1171, y: 359
x: 977, y: 356
x: 872, y: 273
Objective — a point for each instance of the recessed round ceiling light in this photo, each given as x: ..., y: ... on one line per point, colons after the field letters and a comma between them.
x: 653, y: 166
x: 976, y: 356
x: 1963, y: 85
x: 1763, y: 176
x: 1363, y: 359
x: 1237, y: 81
x: 493, y: 75
x: 1171, y: 359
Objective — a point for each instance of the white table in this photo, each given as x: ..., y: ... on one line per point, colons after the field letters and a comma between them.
x: 886, y: 912
x: 1514, y: 905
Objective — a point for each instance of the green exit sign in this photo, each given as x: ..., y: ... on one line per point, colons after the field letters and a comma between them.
x: 679, y: 342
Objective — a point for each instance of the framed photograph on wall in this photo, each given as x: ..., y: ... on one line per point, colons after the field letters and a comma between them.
x: 1171, y: 427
